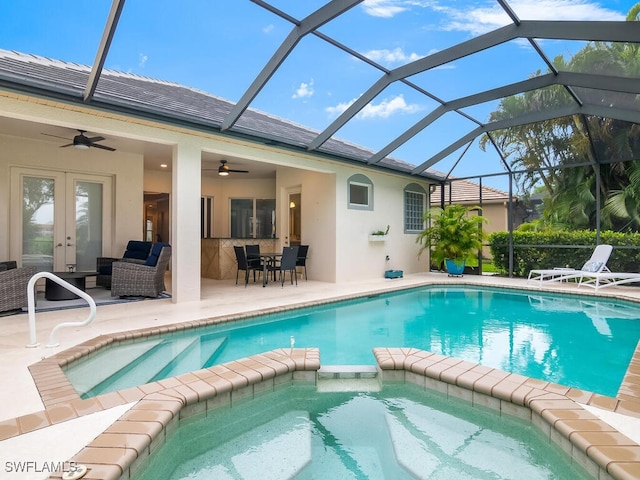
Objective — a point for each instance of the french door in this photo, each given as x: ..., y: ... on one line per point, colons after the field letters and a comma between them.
x: 61, y: 220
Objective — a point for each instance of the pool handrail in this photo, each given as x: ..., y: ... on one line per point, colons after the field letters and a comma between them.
x: 31, y: 303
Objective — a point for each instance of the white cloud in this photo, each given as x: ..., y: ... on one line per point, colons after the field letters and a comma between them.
x: 142, y: 60
x: 481, y: 20
x: 304, y: 90
x: 269, y: 28
x: 390, y: 57
x: 383, y: 8
x: 384, y: 109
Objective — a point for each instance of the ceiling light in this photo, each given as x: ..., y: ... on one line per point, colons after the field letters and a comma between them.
x: 81, y: 146
x: 163, y: 165
x: 223, y: 173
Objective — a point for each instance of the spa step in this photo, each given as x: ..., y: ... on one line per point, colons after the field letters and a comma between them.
x: 348, y: 378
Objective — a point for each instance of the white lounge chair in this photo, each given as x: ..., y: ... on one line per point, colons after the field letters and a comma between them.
x: 596, y: 264
x: 598, y: 280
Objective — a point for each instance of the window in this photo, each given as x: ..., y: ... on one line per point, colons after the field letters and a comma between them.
x: 414, y: 203
x: 253, y: 218
x: 360, y: 193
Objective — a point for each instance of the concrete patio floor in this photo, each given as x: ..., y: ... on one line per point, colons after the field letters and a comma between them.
x: 19, y: 395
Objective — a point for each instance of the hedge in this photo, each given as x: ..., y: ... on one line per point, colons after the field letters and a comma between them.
x: 574, y: 248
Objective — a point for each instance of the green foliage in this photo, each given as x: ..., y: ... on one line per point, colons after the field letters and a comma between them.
x: 454, y: 232
x: 541, y: 150
x: 527, y: 257
x: 381, y: 232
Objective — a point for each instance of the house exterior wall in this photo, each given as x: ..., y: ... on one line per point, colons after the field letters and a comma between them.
x: 358, y: 258
x: 338, y: 236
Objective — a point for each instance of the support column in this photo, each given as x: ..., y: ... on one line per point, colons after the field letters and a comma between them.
x: 185, y: 221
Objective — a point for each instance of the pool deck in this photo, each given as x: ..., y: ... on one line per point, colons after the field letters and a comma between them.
x: 38, y: 409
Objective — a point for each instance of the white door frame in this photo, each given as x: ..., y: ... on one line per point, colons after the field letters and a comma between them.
x: 64, y: 211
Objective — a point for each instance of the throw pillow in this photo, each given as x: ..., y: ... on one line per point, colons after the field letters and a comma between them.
x: 591, y: 266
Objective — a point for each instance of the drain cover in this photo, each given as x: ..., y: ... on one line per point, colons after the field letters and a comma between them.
x: 75, y: 472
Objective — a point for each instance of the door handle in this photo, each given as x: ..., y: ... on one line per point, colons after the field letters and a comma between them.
x: 59, y: 245
x: 69, y: 244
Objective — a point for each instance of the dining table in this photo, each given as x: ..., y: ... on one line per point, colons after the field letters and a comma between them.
x: 268, y: 258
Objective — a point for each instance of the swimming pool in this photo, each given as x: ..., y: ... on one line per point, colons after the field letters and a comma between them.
x: 402, y: 432
x: 578, y: 341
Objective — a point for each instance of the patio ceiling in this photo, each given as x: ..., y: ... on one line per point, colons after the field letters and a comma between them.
x: 526, y: 43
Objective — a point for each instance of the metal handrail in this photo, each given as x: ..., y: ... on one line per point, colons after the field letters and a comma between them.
x: 32, y: 308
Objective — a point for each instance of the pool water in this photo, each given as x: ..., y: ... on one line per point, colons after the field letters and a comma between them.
x: 401, y: 432
x: 581, y: 342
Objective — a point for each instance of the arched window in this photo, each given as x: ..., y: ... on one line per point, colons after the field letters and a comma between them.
x: 359, y: 192
x: 415, y: 201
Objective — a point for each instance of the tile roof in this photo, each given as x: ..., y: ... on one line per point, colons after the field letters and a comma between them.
x: 466, y: 191
x: 135, y: 94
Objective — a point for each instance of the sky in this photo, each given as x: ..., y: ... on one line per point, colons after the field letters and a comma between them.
x: 219, y: 46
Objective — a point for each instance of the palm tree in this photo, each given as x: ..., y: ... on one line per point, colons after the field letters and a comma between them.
x: 543, y: 148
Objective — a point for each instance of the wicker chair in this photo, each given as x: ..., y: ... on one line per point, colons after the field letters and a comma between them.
x: 136, y: 252
x: 135, y: 280
x: 13, y: 285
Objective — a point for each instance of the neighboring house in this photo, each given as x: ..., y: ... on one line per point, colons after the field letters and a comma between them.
x: 494, y: 203
x: 152, y: 173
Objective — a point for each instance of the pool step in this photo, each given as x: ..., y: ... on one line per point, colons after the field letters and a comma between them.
x: 348, y: 378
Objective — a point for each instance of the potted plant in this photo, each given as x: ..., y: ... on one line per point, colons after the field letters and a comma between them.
x: 378, y: 235
x: 454, y: 235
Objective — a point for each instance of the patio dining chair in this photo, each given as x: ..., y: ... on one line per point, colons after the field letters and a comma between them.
x: 301, y: 261
x: 253, y: 259
x: 288, y: 264
x: 243, y: 264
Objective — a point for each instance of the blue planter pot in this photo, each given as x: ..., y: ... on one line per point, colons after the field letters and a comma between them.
x: 455, y: 268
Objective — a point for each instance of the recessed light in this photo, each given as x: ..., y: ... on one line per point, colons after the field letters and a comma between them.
x: 163, y: 165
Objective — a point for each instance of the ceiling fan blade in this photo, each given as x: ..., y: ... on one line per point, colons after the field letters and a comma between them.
x: 238, y: 171
x: 67, y: 145
x: 103, y: 147
x: 96, y: 139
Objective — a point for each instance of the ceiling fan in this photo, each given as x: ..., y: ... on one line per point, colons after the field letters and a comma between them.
x: 81, y: 141
x: 224, y: 170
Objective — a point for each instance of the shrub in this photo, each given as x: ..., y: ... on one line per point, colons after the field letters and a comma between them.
x: 574, y: 248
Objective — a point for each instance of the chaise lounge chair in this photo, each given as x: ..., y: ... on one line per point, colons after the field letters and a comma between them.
x: 596, y: 264
x: 598, y: 280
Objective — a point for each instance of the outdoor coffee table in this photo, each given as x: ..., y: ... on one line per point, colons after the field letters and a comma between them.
x: 54, y: 291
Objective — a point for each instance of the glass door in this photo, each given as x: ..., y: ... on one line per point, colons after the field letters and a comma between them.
x: 65, y: 219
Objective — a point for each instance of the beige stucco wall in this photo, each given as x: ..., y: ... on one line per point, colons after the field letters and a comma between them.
x: 357, y: 258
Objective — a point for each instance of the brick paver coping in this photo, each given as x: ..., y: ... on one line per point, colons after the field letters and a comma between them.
x: 120, y: 449
x: 596, y: 446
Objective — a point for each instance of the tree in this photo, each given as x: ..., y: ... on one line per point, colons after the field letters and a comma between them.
x: 610, y: 147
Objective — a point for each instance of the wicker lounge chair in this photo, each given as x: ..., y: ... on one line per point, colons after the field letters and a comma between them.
x: 136, y: 252
x: 135, y: 280
x: 13, y: 285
